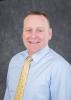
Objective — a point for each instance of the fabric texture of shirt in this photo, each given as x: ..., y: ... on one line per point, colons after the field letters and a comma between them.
x: 49, y: 76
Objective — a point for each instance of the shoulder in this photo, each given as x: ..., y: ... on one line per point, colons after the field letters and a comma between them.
x: 16, y: 63
x: 57, y: 58
x: 59, y: 63
x: 18, y: 57
x: 60, y: 67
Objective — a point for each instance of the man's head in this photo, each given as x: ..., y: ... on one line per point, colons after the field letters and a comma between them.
x: 36, y: 31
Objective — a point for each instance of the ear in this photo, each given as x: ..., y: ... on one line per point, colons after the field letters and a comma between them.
x: 50, y: 33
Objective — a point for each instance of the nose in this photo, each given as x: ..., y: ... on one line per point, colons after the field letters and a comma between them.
x: 33, y: 35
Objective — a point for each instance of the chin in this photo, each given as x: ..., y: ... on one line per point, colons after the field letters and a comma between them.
x: 32, y: 51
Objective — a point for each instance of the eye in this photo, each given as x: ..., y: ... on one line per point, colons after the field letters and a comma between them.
x: 39, y: 30
x: 28, y: 30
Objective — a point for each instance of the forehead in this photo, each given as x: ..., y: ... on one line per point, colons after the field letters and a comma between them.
x: 36, y: 19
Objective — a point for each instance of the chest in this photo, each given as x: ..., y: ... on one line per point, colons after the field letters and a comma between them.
x: 38, y: 82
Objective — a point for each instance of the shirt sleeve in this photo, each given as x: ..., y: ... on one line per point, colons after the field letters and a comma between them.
x: 6, y: 96
x: 61, y: 81
x: 7, y: 92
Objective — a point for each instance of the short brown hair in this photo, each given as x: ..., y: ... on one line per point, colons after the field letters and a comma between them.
x: 37, y: 13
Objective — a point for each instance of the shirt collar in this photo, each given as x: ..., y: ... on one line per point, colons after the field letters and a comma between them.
x: 40, y: 54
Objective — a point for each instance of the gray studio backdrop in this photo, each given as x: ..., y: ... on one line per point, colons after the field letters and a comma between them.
x: 11, y: 19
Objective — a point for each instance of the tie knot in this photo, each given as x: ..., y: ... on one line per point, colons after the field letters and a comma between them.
x: 29, y: 58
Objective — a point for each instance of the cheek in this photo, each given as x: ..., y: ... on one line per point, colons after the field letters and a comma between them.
x: 41, y: 36
x: 45, y: 38
x: 25, y: 36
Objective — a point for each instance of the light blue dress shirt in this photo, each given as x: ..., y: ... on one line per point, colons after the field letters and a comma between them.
x: 49, y: 76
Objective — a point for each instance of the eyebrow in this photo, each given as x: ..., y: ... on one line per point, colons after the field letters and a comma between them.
x: 39, y: 27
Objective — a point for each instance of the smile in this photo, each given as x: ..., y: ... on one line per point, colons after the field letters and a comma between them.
x: 33, y: 42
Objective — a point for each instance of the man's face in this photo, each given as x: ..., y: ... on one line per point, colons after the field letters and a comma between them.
x: 36, y: 33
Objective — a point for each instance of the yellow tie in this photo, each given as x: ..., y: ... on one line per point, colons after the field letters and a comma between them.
x: 23, y: 79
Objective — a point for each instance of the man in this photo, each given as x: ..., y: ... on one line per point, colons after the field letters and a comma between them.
x: 49, y: 76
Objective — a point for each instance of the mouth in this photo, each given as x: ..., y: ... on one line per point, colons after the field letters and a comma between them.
x: 33, y: 42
